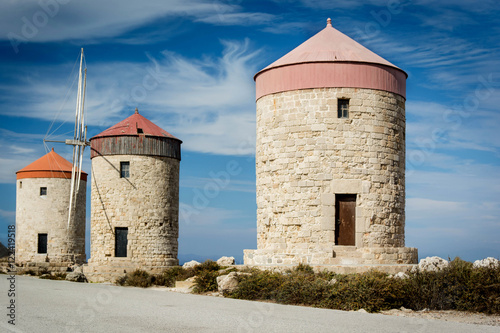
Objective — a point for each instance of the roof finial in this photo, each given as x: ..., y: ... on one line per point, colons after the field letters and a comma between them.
x: 136, y: 111
x: 52, y: 148
x: 329, y: 22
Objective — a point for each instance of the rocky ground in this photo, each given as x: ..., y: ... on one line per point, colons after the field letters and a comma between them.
x: 448, y: 315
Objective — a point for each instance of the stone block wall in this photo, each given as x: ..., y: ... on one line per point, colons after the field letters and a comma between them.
x: 147, y: 203
x: 49, y: 214
x: 306, y: 156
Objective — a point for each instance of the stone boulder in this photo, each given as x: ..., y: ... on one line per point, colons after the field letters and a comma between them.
x: 488, y: 262
x: 399, y: 275
x: 432, y: 264
x: 76, y: 277
x: 225, y: 261
x: 190, y: 264
x: 77, y: 268
x: 227, y: 283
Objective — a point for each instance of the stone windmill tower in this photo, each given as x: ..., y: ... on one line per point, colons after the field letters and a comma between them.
x: 43, y: 199
x: 135, y: 198
x: 330, y: 157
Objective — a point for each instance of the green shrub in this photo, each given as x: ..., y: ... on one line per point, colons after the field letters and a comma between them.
x: 457, y: 287
x: 260, y: 285
x: 305, y: 269
x: 207, y: 265
x: 372, y: 291
x: 206, y: 276
x: 170, y: 275
x: 137, y: 278
x: 205, y: 281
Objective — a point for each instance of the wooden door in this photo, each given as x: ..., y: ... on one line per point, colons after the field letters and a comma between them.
x: 121, y: 241
x: 345, y: 219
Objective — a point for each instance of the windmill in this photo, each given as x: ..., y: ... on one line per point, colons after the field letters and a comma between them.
x: 79, y: 141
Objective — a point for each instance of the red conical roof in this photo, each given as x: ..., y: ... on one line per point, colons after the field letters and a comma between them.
x: 134, y: 125
x: 329, y: 45
x: 51, y: 165
x: 330, y: 59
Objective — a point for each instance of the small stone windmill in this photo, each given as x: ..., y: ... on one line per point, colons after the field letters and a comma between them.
x: 51, y: 200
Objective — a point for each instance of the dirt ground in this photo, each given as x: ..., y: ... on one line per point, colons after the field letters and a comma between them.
x: 448, y: 315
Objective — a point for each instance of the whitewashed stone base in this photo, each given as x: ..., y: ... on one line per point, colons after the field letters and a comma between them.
x: 338, y: 255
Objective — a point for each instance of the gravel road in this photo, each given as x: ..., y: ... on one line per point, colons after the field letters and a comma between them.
x: 61, y: 306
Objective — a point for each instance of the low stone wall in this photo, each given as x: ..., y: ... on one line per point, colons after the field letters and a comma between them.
x: 116, y: 269
x: 336, y: 256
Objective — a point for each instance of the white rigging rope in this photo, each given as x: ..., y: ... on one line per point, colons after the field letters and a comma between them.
x: 70, y: 88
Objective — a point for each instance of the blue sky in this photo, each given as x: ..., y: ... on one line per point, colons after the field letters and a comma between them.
x: 188, y: 66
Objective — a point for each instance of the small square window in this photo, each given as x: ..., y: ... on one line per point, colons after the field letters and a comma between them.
x: 343, y: 108
x: 140, y: 131
x: 124, y: 169
x: 42, y: 243
x: 43, y: 191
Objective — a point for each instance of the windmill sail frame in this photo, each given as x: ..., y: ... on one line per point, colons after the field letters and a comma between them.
x: 79, y: 141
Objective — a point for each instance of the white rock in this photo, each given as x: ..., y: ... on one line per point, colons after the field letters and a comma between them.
x: 432, y: 264
x: 488, y: 262
x: 76, y: 277
x: 225, y: 261
x: 190, y: 264
x: 227, y: 282
x: 400, y: 275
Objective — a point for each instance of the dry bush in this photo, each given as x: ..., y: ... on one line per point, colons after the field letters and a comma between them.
x: 457, y: 287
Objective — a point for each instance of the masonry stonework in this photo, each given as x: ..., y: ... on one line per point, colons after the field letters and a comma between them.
x: 134, y: 210
x: 306, y: 155
x: 147, y: 203
x: 318, y: 170
x: 48, y: 214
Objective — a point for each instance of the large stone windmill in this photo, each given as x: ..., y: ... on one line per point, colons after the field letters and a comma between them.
x: 330, y: 157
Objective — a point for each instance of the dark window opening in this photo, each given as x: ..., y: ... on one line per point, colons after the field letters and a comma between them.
x: 343, y: 108
x: 140, y: 131
x: 121, y: 241
x: 43, y: 191
x: 42, y: 243
x: 345, y: 219
x: 124, y: 169
x: 20, y: 184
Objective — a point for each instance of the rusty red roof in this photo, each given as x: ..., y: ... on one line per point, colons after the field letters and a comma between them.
x: 329, y: 45
x: 51, y: 165
x: 136, y: 124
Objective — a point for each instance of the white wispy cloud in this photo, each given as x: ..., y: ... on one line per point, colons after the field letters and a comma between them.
x: 10, y: 215
x: 468, y: 5
x: 35, y: 21
x: 329, y: 4
x: 434, y: 127
x: 237, y: 18
x: 452, y: 207
x: 208, y: 102
x: 193, y: 216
